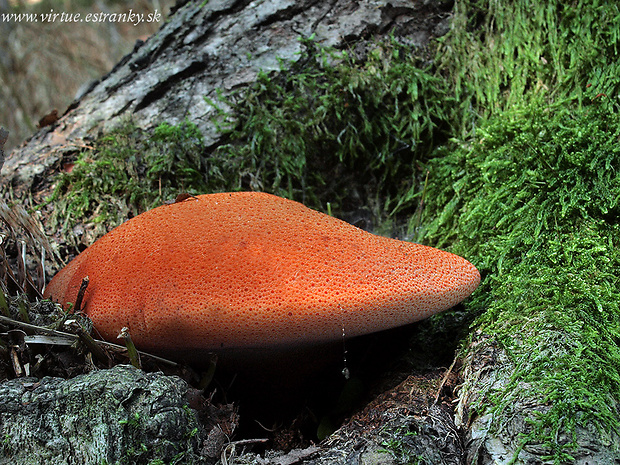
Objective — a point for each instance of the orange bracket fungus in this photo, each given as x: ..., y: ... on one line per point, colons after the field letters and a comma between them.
x: 252, y: 270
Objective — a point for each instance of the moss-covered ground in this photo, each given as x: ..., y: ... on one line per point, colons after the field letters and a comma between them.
x: 510, y: 136
x: 127, y: 172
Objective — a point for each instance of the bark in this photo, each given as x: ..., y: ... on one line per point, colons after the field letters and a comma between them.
x: 488, y: 369
x: 121, y: 415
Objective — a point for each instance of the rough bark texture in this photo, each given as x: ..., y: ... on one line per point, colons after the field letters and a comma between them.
x: 121, y: 415
x: 211, y: 47
x: 487, y: 368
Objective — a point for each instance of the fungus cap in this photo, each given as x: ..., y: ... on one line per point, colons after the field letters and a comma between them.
x: 249, y: 269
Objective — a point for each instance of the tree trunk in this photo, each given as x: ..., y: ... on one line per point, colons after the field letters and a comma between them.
x: 211, y: 48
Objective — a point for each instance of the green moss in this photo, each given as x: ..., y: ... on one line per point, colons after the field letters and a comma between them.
x: 339, y: 128
x: 529, y: 191
x: 128, y: 171
x: 502, y: 54
x: 330, y: 128
x: 537, y: 194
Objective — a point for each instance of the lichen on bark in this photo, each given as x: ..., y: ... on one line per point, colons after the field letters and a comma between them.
x: 120, y: 415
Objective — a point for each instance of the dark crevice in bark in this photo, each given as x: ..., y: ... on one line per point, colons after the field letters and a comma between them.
x: 286, y: 14
x: 162, y: 88
x: 124, y: 108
